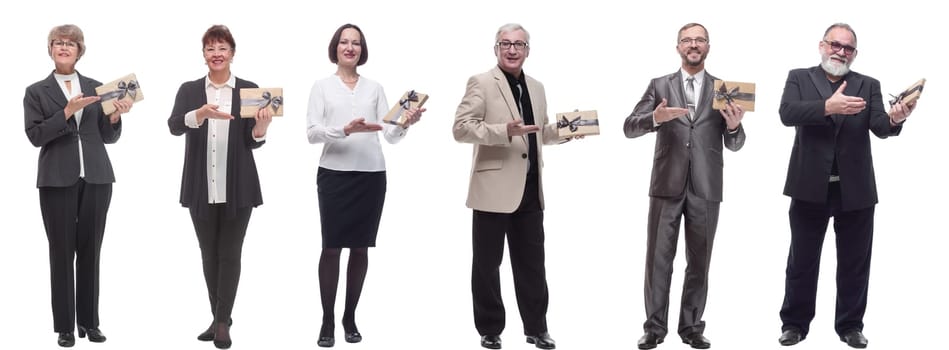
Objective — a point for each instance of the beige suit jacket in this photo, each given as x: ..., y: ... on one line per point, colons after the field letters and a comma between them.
x: 499, y: 164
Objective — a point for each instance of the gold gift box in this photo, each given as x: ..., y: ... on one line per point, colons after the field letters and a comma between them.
x: 410, y: 99
x: 253, y: 100
x: 740, y: 93
x: 125, y: 88
x: 910, y: 95
x: 577, y: 123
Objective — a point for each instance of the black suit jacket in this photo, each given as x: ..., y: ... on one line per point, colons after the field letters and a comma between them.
x: 684, y: 147
x: 819, y: 138
x: 243, y: 184
x: 47, y: 128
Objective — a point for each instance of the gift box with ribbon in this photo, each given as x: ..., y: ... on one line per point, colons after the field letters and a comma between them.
x: 726, y: 92
x: 409, y: 100
x: 253, y: 100
x: 577, y: 123
x: 124, y: 88
x: 910, y: 95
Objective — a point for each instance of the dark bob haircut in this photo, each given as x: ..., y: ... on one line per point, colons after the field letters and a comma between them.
x: 334, y: 43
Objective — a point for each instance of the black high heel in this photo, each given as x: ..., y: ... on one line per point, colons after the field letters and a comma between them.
x: 222, y: 336
x: 95, y: 335
x: 208, y: 335
x: 327, y: 338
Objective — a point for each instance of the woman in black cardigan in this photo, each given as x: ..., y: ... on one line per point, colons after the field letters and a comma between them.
x: 219, y: 184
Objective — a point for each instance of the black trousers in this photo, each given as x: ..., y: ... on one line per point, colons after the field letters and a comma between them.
x: 221, y: 238
x: 524, y: 230
x: 74, y: 218
x: 701, y: 221
x: 854, y: 238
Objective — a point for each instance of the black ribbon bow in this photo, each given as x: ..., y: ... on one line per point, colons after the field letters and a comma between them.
x: 122, y: 89
x: 266, y: 99
x: 576, y: 123
x: 731, y: 96
x: 899, y: 98
x: 406, y: 102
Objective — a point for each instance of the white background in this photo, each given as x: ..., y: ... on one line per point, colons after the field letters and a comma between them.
x: 591, y: 55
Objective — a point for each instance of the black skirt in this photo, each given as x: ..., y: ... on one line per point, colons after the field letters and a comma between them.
x: 350, y: 206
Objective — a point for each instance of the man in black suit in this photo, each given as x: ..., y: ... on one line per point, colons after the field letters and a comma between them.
x: 831, y: 175
x: 686, y: 181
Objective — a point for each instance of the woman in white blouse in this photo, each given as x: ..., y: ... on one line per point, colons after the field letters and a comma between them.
x: 345, y: 114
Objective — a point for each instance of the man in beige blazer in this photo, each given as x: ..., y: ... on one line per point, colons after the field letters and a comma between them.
x: 504, y: 114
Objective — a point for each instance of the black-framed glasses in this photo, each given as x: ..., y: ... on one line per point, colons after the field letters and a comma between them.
x: 836, y: 47
x: 518, y: 45
x: 697, y: 41
x: 64, y: 43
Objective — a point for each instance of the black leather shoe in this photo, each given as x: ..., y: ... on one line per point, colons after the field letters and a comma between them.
x: 208, y: 335
x: 855, y: 339
x: 697, y: 341
x: 542, y: 341
x: 790, y: 337
x: 353, y: 337
x: 327, y: 335
x: 491, y: 341
x: 66, y: 340
x: 650, y: 340
x: 95, y: 335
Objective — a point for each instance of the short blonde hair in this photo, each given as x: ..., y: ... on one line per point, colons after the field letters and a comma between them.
x: 66, y: 31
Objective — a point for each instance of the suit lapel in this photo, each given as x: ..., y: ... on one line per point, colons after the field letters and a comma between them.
x: 54, y: 92
x: 819, y: 78
x: 92, y: 110
x: 677, y: 94
x: 706, y: 98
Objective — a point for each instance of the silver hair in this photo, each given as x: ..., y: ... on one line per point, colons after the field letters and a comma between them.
x: 510, y: 27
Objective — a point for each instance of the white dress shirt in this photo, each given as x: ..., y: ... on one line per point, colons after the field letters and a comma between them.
x: 220, y: 95
x: 699, y: 79
x: 332, y: 106
x: 76, y: 89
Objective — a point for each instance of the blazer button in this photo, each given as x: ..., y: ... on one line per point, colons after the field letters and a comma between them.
x: 523, y: 155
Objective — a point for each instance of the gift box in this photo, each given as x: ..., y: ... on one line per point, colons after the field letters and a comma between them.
x: 253, y: 100
x: 739, y: 93
x: 577, y: 123
x: 125, y: 88
x: 409, y: 100
x: 910, y: 95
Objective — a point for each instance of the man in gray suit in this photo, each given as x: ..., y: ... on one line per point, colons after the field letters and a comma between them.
x: 686, y: 181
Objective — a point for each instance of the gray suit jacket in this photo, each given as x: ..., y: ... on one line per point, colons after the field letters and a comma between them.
x: 47, y: 127
x: 684, y: 148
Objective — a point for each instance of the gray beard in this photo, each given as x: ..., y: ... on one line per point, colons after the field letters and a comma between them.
x: 835, y: 70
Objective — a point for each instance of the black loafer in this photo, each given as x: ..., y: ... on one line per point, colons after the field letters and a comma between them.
x: 697, y: 341
x: 855, y: 339
x: 66, y: 340
x: 790, y: 337
x: 542, y: 341
x: 353, y: 337
x: 491, y: 341
x: 650, y: 340
x: 95, y: 335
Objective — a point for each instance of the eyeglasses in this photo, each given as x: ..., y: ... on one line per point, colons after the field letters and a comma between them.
x: 64, y: 43
x: 689, y: 41
x: 518, y: 45
x: 835, y: 46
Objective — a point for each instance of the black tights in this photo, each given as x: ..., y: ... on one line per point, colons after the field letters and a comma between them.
x: 329, y: 278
